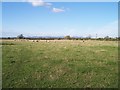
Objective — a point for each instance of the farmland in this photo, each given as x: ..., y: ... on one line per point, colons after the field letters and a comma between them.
x: 60, y: 64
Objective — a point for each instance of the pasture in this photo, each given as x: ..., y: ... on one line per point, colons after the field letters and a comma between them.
x: 59, y: 64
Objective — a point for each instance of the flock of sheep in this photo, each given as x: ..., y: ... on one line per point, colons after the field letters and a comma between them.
x: 43, y: 40
x: 34, y: 40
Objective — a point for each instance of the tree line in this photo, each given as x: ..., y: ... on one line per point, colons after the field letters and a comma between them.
x: 68, y: 37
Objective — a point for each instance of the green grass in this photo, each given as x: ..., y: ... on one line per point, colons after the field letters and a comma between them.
x: 60, y: 64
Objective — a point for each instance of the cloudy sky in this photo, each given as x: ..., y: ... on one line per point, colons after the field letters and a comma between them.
x: 39, y: 18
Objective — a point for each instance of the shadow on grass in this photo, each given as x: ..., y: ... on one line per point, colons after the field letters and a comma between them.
x: 7, y: 43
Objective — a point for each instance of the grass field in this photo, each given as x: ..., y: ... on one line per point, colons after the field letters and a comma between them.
x: 60, y: 64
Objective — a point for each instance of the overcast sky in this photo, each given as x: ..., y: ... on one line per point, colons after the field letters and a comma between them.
x: 60, y: 18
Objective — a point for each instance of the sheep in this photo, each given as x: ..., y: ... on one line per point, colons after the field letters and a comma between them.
x: 47, y: 41
x: 14, y: 39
